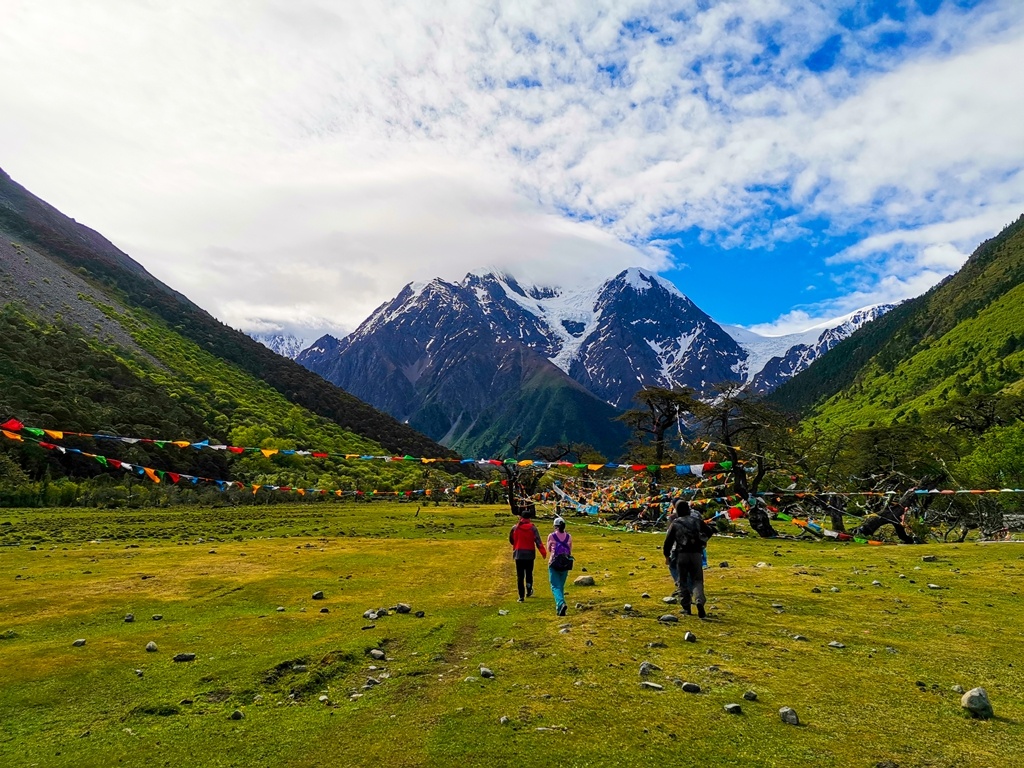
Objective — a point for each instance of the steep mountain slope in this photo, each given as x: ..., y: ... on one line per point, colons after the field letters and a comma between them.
x: 965, y: 335
x: 78, y: 253
x: 76, y: 354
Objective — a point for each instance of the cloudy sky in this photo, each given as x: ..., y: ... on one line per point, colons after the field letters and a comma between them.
x: 291, y: 164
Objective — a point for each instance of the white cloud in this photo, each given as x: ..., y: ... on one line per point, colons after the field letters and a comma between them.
x: 297, y: 162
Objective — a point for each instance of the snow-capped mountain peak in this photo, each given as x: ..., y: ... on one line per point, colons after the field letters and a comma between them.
x: 442, y: 354
x: 285, y: 344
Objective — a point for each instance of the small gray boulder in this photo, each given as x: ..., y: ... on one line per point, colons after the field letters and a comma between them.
x: 976, y: 702
x: 788, y: 716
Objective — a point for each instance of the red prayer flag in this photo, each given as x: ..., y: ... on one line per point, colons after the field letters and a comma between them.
x: 13, y: 425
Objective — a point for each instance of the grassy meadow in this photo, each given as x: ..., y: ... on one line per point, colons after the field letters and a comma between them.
x: 569, y: 687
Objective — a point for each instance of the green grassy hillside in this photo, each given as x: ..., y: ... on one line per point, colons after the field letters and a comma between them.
x: 981, y: 354
x: 974, y: 312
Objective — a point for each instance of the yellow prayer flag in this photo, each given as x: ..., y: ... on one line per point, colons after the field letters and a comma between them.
x: 182, y: 443
x: 268, y: 452
x: 54, y: 434
x: 12, y: 436
x: 152, y: 475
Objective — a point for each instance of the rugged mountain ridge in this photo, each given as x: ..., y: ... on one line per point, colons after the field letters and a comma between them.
x: 450, y: 357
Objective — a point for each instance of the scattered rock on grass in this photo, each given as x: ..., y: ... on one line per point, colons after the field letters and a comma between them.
x: 78, y: 643
x: 690, y: 687
x: 184, y: 657
x: 652, y: 686
x: 129, y: 618
x: 788, y: 715
x: 323, y: 699
x: 419, y: 614
x: 934, y: 586
x: 158, y: 617
x: 834, y: 589
x: 377, y: 654
x: 646, y: 668
x: 928, y: 558
x: 801, y: 638
x: 976, y: 702
x: 816, y: 590
x: 645, y: 596
x: 151, y: 647
x: 403, y: 608
x: 318, y: 595
x: 280, y: 609
x: 836, y: 644
x: 690, y: 637
x: 957, y: 689
x: 503, y: 720
x: 733, y: 709
x: 723, y: 564
x: 236, y: 715
x: 669, y: 618
x: 325, y: 610
x: 750, y: 696
x: 584, y: 581
x: 627, y: 607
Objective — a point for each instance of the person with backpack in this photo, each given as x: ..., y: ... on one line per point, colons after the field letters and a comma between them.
x: 525, y: 540
x: 560, y: 563
x: 688, y: 534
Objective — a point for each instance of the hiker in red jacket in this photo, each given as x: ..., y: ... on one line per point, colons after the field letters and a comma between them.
x: 525, y: 540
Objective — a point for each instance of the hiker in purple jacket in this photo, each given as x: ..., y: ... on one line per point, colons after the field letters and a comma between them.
x: 559, y: 563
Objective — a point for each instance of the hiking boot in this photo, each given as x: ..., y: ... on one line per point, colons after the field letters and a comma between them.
x: 686, y: 609
x: 563, y: 609
x: 529, y: 590
x: 700, y: 612
x: 519, y: 600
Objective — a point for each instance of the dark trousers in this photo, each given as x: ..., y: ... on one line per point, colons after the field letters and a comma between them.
x: 524, y: 576
x: 691, y: 577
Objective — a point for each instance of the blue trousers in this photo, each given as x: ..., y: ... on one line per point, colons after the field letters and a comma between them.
x: 557, y: 579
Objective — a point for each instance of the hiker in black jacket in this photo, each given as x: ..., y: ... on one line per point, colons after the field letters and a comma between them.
x: 688, y: 535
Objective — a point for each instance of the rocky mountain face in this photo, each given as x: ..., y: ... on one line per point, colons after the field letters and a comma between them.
x: 452, y: 358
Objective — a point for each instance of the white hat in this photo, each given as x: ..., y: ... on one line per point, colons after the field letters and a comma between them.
x: 559, y: 523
